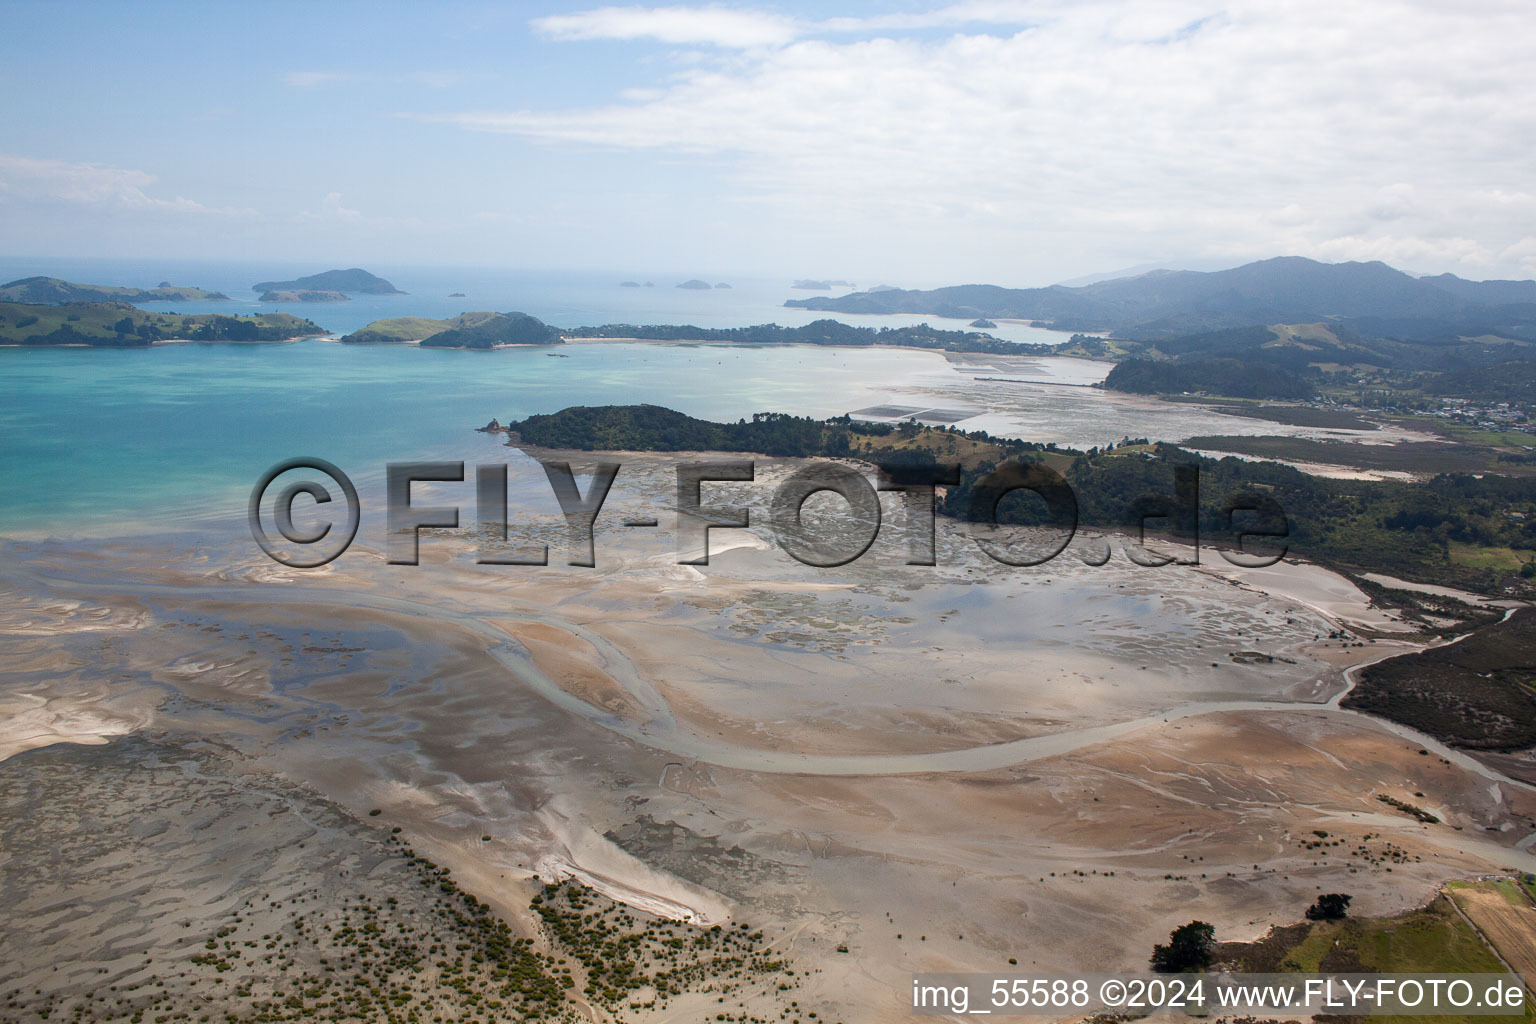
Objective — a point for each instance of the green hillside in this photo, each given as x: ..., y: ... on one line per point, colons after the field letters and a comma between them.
x: 118, y: 324
x: 54, y: 291
x: 412, y: 328
x: 499, y: 329
x: 354, y: 280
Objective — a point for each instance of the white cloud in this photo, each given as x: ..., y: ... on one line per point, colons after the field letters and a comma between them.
x: 1246, y: 127
x: 30, y: 179
x: 332, y: 210
x: 714, y: 26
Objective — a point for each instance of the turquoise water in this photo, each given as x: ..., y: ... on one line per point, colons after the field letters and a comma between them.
x: 105, y: 441
x: 562, y: 298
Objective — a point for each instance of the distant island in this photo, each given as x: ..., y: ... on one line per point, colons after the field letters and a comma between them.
x: 810, y: 285
x: 722, y: 284
x: 455, y: 295
x: 629, y: 284
x: 489, y: 330
x: 819, y: 332
x: 53, y: 291
x: 467, y: 330
x: 354, y: 280
x: 303, y: 296
x: 983, y: 324
x: 120, y: 325
x: 696, y: 284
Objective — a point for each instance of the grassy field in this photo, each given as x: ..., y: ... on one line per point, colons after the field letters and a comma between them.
x: 951, y: 448
x: 1433, y: 939
x: 1503, y: 912
x: 1488, y: 558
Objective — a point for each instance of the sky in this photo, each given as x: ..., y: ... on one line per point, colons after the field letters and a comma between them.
x: 920, y: 143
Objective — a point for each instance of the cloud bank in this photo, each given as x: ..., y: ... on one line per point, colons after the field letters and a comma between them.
x: 1375, y: 129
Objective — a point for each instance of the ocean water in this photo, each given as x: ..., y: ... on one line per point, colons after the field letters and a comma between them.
x: 173, y: 437
x: 139, y: 440
x: 562, y: 298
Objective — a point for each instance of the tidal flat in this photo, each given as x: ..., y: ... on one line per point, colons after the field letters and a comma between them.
x: 879, y: 768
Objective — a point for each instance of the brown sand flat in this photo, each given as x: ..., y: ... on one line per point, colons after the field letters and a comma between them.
x: 572, y: 663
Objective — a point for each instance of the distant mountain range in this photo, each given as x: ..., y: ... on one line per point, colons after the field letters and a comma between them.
x: 51, y: 291
x: 1373, y: 298
x: 354, y: 280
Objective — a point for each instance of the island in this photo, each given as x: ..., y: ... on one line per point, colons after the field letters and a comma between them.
x: 455, y: 295
x: 304, y: 296
x: 354, y: 280
x: 467, y: 330
x: 52, y: 291
x: 402, y: 329
x: 497, y: 330
x: 722, y: 284
x: 982, y: 323
x: 696, y: 284
x: 629, y: 284
x: 812, y: 285
x: 121, y: 325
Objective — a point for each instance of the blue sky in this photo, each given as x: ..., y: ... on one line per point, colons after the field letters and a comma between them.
x: 1013, y: 142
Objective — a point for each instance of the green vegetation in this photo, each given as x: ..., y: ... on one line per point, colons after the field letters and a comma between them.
x: 1190, y: 948
x: 120, y: 325
x: 642, y: 964
x: 1331, y: 906
x: 500, y: 329
x: 303, y: 296
x: 1294, y: 415
x: 354, y: 280
x: 1479, y: 692
x: 1231, y: 377
x: 436, y: 952
x: 412, y: 328
x: 51, y: 291
x: 819, y: 332
x: 654, y: 428
x: 1369, y: 300
x: 1431, y: 939
x: 1412, y: 810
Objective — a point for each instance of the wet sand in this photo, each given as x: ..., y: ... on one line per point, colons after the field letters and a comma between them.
x: 1056, y: 765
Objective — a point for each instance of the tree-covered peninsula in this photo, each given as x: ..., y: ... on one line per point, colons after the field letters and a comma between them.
x: 120, y: 325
